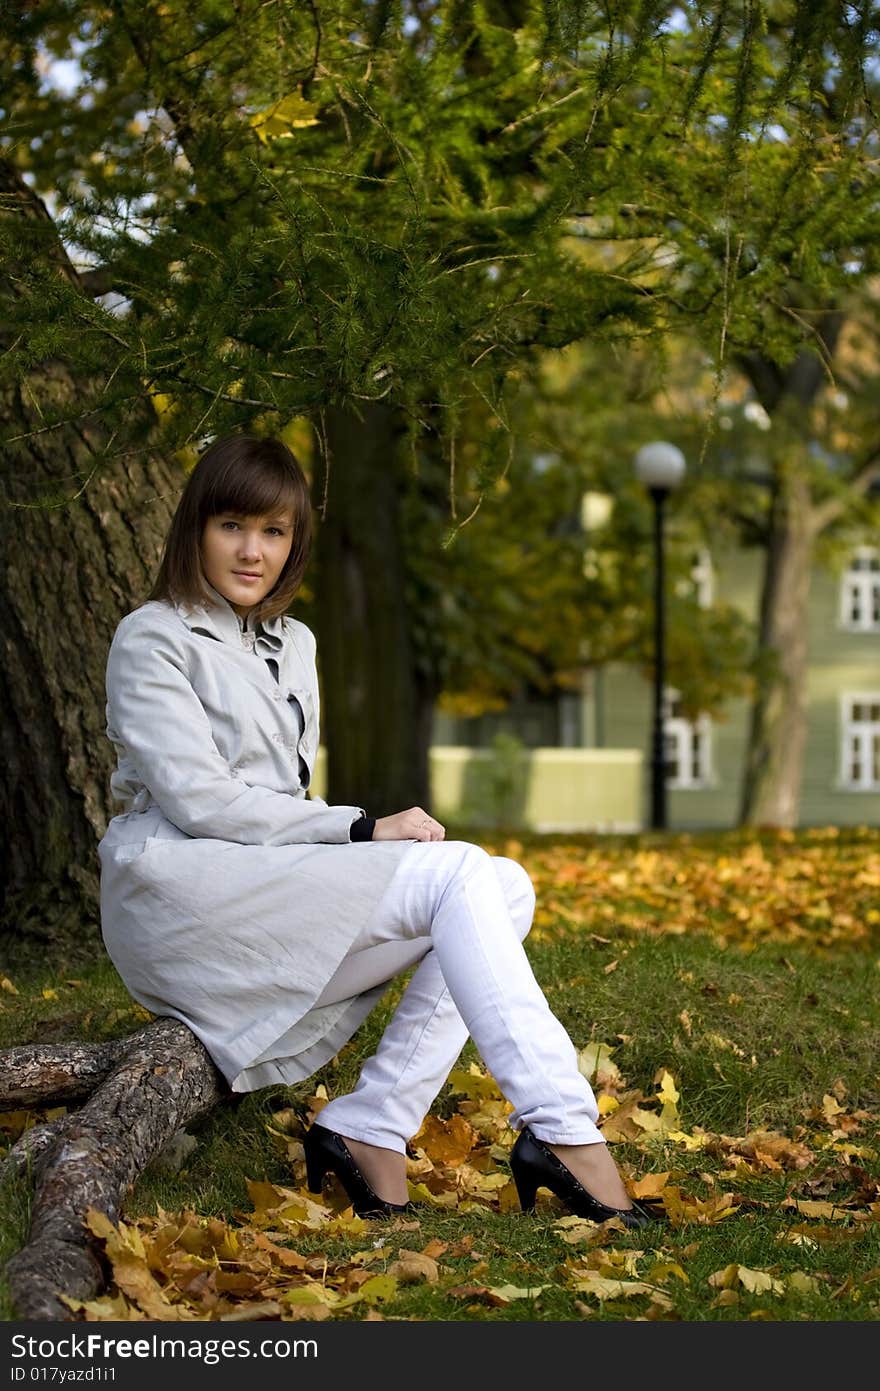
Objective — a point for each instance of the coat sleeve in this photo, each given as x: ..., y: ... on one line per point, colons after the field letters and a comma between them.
x: 155, y: 717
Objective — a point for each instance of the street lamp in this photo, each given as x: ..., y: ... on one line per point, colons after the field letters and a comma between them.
x: 660, y: 466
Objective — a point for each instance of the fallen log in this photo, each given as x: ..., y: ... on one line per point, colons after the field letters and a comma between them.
x: 148, y: 1087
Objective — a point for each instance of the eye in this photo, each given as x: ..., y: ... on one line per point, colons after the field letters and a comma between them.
x: 225, y: 525
x: 275, y: 530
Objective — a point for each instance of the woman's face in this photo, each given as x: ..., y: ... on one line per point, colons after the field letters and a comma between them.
x: 242, y: 557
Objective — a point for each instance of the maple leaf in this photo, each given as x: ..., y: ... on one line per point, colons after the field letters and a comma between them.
x: 125, y: 1251
x: 446, y: 1141
x: 754, y: 1281
x: 282, y: 118
x: 707, y: 1211
x: 769, y: 1150
x: 603, y: 1287
x: 649, y: 1186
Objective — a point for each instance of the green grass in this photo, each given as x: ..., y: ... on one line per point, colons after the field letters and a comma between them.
x: 755, y: 1035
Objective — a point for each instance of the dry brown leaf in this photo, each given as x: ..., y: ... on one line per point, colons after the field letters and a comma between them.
x: 479, y: 1292
x: 411, y: 1267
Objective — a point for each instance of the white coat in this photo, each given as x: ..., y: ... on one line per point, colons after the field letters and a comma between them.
x: 228, y: 897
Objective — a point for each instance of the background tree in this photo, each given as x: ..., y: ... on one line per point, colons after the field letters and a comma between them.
x: 757, y: 179
x: 278, y: 213
x: 373, y: 219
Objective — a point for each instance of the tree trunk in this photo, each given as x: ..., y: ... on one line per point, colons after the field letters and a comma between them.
x: 778, y: 729
x: 162, y: 1079
x: 80, y: 541
x: 773, y: 765
x: 377, y: 708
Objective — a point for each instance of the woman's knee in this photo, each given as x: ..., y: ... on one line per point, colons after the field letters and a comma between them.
x: 518, y: 890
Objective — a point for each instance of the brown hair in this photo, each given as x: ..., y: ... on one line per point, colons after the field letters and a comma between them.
x: 251, y: 477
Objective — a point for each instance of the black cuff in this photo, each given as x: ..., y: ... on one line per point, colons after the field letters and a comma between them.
x: 362, y: 829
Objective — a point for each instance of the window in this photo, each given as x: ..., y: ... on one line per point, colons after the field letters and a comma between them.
x: 860, y: 592
x: 860, y: 743
x: 687, y: 746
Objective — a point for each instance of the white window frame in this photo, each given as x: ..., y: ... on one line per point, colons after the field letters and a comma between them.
x: 857, y: 586
x: 855, y: 742
x: 684, y: 734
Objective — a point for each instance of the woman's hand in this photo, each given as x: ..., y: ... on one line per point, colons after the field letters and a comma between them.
x: 414, y: 824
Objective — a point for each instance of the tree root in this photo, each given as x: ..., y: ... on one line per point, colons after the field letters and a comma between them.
x: 46, y: 1074
x: 144, y: 1090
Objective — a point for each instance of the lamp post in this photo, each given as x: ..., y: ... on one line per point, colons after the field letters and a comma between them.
x: 660, y: 466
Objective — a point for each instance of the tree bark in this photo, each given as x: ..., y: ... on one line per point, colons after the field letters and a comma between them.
x: 778, y: 726
x: 774, y: 759
x: 377, y: 706
x: 80, y: 541
x: 163, y: 1080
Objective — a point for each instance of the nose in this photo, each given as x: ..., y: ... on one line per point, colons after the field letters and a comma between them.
x: 249, y: 545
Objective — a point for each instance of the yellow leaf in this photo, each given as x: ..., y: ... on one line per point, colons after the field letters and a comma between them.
x: 759, y: 1281
x: 802, y: 1283
x: 830, y: 1107
x: 690, y: 1142
x: 49, y: 994
x: 378, y: 1289
x: 446, y: 1141
x: 663, y: 1269
x: 475, y: 1084
x: 646, y: 1120
x: 6, y: 984
x: 311, y: 1293
x: 810, y: 1208
x: 667, y: 1092
x: 650, y: 1186
x: 282, y: 118
x: 508, y: 1292
x: 594, y: 1063
x: 602, y: 1288
x: 724, y: 1299
x: 707, y: 1211
x: 574, y: 1230
x: 114, y: 1307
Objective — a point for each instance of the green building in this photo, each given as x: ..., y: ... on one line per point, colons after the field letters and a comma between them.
x: 613, y: 711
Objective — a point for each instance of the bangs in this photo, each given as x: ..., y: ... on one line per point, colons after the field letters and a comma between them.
x: 261, y: 488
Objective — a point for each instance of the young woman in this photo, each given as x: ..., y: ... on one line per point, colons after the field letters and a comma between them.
x: 270, y: 922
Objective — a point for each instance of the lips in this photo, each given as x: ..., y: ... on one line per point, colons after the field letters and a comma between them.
x: 247, y: 574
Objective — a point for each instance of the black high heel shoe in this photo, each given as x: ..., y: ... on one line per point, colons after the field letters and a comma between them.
x: 534, y: 1165
x: 326, y: 1152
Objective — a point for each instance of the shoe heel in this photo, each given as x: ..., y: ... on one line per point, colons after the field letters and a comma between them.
x: 526, y: 1187
x: 316, y: 1166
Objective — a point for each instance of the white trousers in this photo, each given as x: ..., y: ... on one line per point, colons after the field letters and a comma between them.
x: 461, y: 913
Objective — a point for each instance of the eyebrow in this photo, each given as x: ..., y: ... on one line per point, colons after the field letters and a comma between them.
x: 281, y: 519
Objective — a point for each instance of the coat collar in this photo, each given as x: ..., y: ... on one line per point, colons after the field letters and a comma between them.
x: 218, y: 619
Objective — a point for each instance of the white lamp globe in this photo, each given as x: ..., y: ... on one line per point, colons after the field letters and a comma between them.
x: 660, y: 465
